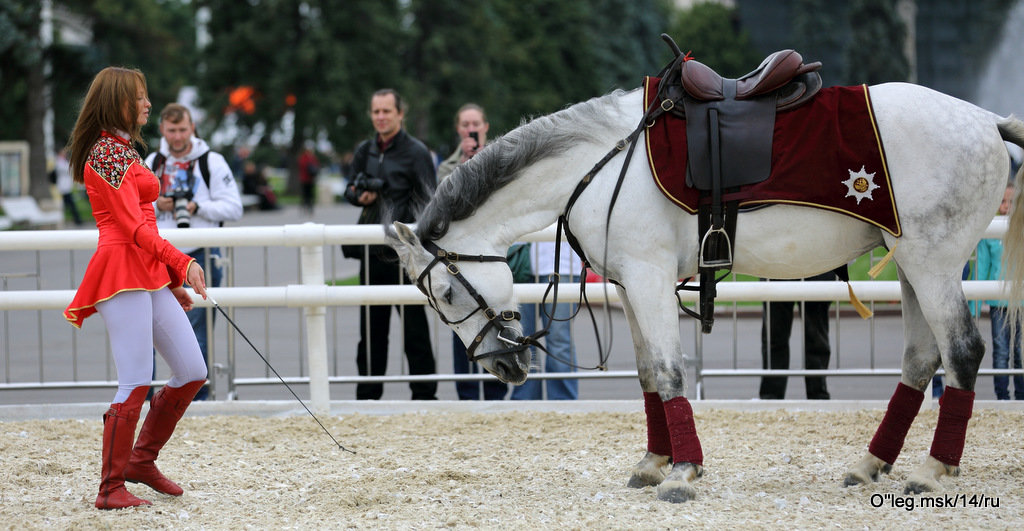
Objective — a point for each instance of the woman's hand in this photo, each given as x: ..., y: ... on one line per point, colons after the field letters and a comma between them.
x: 184, y: 299
x: 196, y: 278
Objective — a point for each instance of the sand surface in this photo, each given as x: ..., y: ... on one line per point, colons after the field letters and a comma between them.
x: 523, y: 470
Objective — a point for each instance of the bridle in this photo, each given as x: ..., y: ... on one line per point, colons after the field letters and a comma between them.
x: 662, y: 104
x: 495, y: 319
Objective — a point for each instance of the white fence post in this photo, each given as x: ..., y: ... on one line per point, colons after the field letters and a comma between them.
x: 312, y: 262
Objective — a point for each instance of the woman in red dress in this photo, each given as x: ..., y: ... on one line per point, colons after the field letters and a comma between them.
x: 134, y: 280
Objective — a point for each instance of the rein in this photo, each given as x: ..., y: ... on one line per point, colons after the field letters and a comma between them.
x: 662, y: 104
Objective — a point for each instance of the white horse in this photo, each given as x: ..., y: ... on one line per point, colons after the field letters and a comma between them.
x: 948, y: 167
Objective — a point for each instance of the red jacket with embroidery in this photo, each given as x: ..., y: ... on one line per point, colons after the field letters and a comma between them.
x: 130, y: 254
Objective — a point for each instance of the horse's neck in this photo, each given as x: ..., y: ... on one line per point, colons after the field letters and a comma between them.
x: 534, y: 200
x: 529, y: 203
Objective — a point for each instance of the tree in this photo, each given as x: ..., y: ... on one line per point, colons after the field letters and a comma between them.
x: 311, y: 66
x: 153, y: 36
x: 874, y: 53
x: 626, y: 41
x: 712, y: 32
x: 22, y: 77
x: 520, y: 58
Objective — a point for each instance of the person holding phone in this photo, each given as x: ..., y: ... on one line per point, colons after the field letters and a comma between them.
x: 471, y: 126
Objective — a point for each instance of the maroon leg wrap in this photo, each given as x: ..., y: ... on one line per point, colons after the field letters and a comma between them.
x: 903, y: 408
x: 658, y: 440
x: 955, y: 409
x: 683, y: 432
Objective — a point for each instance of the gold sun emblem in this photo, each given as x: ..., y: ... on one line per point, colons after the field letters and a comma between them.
x: 860, y: 184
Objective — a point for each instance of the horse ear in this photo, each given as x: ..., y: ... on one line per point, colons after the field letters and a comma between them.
x: 411, y: 253
x: 405, y: 234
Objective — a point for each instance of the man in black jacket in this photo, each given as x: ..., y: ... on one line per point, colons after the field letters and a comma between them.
x: 393, y: 171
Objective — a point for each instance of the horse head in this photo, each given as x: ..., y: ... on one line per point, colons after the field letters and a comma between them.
x: 472, y: 295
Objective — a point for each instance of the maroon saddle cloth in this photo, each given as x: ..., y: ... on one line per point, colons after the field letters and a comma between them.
x: 826, y: 154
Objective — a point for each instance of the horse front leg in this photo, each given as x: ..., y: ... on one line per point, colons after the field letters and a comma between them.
x: 653, y: 467
x: 671, y: 431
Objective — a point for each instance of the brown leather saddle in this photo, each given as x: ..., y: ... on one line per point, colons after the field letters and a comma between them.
x: 729, y: 130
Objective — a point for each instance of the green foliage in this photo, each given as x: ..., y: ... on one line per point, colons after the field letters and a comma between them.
x: 516, y: 58
x: 312, y: 64
x: 20, y: 49
x: 877, y: 36
x: 712, y: 33
x: 524, y: 58
x: 155, y: 37
x: 320, y: 60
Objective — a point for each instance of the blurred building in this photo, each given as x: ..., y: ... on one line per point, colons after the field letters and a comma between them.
x: 952, y: 39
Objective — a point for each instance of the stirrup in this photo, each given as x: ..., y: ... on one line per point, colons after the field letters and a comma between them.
x: 720, y: 263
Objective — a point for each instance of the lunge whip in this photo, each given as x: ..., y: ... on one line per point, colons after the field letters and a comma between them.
x: 239, y: 330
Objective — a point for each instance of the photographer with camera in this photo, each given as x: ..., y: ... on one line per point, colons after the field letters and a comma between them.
x: 197, y: 190
x: 392, y: 171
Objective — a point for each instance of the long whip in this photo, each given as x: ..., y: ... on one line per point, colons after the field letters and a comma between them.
x: 239, y: 330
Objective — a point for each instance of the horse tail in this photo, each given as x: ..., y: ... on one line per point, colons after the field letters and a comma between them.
x: 1012, y: 130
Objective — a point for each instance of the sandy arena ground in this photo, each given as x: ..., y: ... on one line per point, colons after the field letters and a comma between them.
x: 771, y: 469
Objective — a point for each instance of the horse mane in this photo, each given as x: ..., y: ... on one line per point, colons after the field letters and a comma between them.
x: 502, y: 161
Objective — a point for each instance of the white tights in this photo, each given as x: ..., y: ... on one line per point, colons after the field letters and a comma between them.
x: 132, y: 342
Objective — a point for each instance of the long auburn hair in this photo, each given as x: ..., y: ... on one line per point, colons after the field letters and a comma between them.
x: 109, y: 105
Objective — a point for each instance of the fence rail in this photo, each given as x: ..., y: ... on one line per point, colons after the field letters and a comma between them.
x: 313, y: 295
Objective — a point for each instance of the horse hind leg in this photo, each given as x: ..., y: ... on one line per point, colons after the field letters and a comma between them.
x: 920, y: 361
x: 962, y: 350
x: 942, y: 304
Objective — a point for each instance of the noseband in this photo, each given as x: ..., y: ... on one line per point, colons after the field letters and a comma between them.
x: 494, y: 318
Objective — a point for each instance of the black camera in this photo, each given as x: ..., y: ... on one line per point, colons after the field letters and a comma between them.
x: 182, y: 194
x: 363, y: 183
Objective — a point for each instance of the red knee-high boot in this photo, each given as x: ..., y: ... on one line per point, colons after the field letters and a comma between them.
x: 118, y: 433
x: 165, y: 410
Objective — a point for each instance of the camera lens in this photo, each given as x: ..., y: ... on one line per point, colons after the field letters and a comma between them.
x: 181, y: 215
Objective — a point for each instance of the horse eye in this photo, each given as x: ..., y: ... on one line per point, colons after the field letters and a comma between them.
x: 448, y: 295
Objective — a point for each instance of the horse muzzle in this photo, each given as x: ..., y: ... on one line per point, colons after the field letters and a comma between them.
x: 510, y: 364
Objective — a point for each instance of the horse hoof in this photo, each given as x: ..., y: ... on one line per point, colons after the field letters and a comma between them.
x: 852, y: 479
x: 639, y: 482
x: 918, y: 487
x: 649, y: 472
x: 859, y: 478
x: 676, y: 492
x: 926, y: 477
x: 866, y: 471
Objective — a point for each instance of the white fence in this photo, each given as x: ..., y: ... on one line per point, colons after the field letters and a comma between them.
x: 313, y: 295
